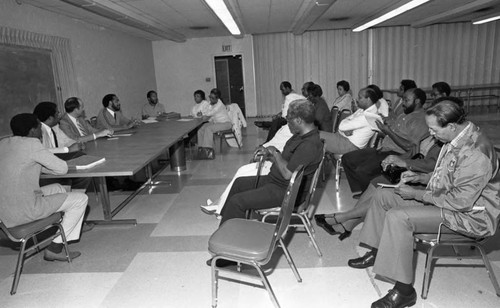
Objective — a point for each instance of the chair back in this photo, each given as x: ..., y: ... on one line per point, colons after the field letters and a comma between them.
x: 335, y: 117
x: 307, y: 207
x: 286, y: 208
x: 342, y: 115
x: 5, y: 230
x: 374, y: 140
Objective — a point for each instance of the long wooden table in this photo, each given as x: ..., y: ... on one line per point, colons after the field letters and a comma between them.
x: 125, y: 156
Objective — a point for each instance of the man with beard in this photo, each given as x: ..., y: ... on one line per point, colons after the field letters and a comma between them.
x: 111, y: 116
x: 403, y: 135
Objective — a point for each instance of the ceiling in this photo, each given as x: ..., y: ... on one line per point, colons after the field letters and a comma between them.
x: 178, y: 20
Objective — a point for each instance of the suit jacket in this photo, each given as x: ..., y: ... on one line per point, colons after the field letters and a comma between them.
x: 70, y: 129
x: 106, y: 120
x: 62, y: 139
x: 21, y: 161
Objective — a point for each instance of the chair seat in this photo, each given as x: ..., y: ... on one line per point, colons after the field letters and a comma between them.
x: 248, y: 239
x: 34, y: 226
x: 445, y: 237
x: 227, y: 131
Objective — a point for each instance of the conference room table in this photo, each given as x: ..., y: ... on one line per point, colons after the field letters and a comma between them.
x: 127, y: 155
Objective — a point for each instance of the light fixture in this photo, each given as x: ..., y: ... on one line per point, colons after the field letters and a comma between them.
x: 400, y: 10
x: 486, y: 19
x: 220, y: 9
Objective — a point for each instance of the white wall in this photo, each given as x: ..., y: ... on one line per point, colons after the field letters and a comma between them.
x: 105, y: 61
x: 181, y: 68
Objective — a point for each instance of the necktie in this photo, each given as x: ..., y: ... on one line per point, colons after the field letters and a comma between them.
x: 83, y: 131
x: 55, y: 138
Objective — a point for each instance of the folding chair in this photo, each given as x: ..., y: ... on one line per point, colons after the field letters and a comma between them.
x: 253, y: 242
x: 23, y: 233
x: 226, y: 134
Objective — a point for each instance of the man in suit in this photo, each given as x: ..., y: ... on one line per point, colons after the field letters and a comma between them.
x: 73, y: 123
x: 53, y: 138
x: 111, y: 117
x: 22, y: 200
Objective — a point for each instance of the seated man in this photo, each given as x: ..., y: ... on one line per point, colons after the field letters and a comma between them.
x: 456, y: 195
x: 73, y: 123
x: 22, y: 200
x: 111, y: 117
x: 279, y: 120
x: 218, y: 119
x: 356, y: 130
x: 53, y: 138
x: 152, y: 108
x: 404, y: 135
x: 304, y: 148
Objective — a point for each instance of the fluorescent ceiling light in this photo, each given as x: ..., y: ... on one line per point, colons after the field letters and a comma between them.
x: 485, y: 20
x: 220, y: 9
x: 400, y: 10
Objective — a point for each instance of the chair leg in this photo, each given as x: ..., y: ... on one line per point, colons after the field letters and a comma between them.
x: 267, y: 285
x: 215, y: 281
x: 221, y: 139
x: 337, y: 174
x: 308, y: 226
x: 489, y: 269
x: 290, y: 261
x: 63, y: 236
x: 427, y: 273
x: 234, y: 136
x: 19, y: 268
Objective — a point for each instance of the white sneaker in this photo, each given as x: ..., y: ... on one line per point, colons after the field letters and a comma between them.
x: 209, y: 202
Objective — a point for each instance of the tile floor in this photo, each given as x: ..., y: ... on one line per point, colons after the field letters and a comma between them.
x: 161, y: 261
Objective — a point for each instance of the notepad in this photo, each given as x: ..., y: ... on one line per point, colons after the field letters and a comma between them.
x: 121, y: 135
x: 85, y: 162
x: 147, y: 121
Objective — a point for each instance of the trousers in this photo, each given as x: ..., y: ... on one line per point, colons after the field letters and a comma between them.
x: 206, y: 133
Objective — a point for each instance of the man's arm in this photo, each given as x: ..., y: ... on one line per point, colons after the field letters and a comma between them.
x: 280, y: 162
x: 50, y: 163
x: 405, y: 144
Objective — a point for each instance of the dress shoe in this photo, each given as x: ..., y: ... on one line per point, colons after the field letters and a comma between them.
x: 87, y: 226
x: 394, y: 299
x: 52, y: 256
x: 363, y: 262
x: 320, y: 221
x: 221, y: 263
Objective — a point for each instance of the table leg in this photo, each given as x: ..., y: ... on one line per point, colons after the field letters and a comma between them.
x: 177, y: 156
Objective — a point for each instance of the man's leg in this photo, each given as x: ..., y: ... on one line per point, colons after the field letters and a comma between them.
x: 267, y: 195
x: 336, y: 143
x: 207, y: 139
x: 276, y: 124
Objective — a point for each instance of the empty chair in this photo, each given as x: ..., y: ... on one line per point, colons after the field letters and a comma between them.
x: 344, y: 113
x: 452, y: 239
x: 226, y: 134
x: 335, y: 117
x: 253, y: 242
x: 23, y: 233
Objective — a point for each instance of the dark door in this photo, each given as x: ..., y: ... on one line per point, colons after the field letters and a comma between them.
x: 229, y: 80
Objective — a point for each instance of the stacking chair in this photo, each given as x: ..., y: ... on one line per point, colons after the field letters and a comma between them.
x: 226, y: 134
x: 335, y: 117
x: 301, y: 217
x: 452, y: 239
x: 344, y: 113
x: 253, y: 242
x: 23, y: 233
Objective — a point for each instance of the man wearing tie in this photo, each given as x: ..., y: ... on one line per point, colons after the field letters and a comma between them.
x: 111, y: 116
x: 73, y: 123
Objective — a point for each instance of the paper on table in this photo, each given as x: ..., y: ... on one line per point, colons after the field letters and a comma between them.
x: 121, y: 135
x: 147, y: 121
x: 185, y: 120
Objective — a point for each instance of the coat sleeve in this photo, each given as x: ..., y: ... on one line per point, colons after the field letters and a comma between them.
x: 51, y: 164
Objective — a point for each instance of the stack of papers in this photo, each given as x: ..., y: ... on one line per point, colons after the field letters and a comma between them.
x: 85, y: 162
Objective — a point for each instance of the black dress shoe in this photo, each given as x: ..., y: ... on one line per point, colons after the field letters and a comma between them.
x: 363, y: 262
x: 394, y: 299
x: 221, y: 263
x: 321, y: 222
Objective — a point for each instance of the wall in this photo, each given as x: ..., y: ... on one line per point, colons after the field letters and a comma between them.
x: 460, y: 54
x: 181, y: 68
x: 105, y: 61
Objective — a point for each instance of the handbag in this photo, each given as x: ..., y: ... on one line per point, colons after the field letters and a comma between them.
x: 393, y: 173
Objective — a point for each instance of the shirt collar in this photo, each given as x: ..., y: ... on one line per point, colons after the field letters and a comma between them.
x: 111, y: 111
x: 46, y: 128
x: 456, y: 140
x: 372, y: 109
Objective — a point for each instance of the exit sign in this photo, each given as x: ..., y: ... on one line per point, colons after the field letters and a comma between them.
x: 226, y: 48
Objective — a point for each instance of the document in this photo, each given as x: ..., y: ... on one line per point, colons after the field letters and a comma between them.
x: 147, y: 121
x: 185, y: 120
x: 85, y: 162
x: 383, y: 185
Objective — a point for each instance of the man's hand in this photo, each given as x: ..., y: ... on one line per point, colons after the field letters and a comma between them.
x: 410, y: 177
x: 145, y: 116
x: 104, y: 133
x: 384, y: 128
x: 393, y: 160
x: 348, y: 132
x: 199, y: 114
x: 77, y: 146
x: 406, y: 192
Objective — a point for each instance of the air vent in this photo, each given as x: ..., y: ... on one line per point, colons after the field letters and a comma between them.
x: 484, y: 9
x: 337, y: 19
x: 199, y: 28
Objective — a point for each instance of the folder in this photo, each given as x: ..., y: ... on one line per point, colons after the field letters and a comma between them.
x: 85, y: 162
